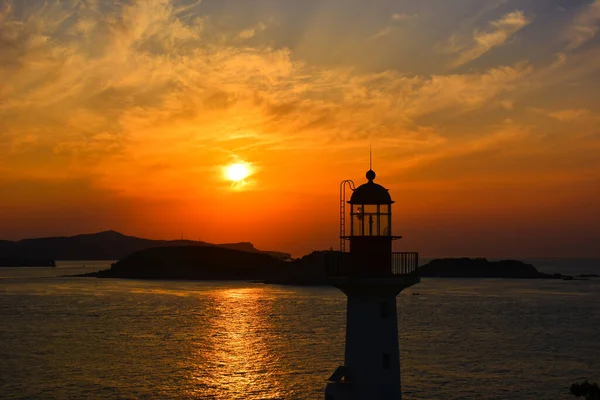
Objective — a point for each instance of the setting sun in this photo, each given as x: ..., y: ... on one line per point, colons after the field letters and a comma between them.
x: 237, y: 172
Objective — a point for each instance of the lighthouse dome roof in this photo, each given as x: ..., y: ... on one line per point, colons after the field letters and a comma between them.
x: 371, y: 192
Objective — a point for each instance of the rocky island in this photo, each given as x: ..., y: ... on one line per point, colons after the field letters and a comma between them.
x: 194, y: 263
x: 481, y: 268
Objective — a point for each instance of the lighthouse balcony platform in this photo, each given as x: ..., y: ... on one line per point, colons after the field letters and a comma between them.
x: 401, y: 269
x: 401, y: 264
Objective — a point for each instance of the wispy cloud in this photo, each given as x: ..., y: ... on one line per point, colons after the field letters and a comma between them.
x: 398, y: 17
x: 497, y: 34
x: 395, y: 19
x: 505, y: 134
x: 566, y: 115
x: 584, y: 27
x: 251, y: 32
x: 381, y: 33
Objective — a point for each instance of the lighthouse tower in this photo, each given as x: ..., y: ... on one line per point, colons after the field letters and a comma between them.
x: 371, y: 276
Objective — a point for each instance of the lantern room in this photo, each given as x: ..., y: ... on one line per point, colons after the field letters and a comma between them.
x: 370, y: 234
x: 371, y: 209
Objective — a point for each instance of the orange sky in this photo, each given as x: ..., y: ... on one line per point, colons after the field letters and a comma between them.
x: 483, y: 115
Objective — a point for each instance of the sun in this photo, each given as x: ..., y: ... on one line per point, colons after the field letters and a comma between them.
x: 238, y: 172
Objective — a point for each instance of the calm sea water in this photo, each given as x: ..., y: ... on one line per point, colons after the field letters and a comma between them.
x: 86, y: 338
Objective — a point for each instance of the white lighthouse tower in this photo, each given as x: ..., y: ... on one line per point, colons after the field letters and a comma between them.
x: 371, y: 276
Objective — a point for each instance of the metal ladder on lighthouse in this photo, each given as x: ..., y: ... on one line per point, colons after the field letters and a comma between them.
x: 343, y: 186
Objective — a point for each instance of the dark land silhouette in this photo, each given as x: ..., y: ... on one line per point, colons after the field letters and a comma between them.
x: 109, y: 245
x: 185, y: 259
x: 591, y: 391
x: 194, y: 262
x: 218, y: 263
x: 481, y: 268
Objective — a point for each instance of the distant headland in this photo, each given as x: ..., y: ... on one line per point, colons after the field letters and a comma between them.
x: 108, y: 245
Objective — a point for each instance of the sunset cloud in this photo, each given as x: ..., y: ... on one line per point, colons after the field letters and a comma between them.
x: 497, y: 34
x: 251, y: 32
x: 154, y: 87
x: 584, y: 27
x: 397, y: 17
x: 568, y: 115
x: 381, y: 33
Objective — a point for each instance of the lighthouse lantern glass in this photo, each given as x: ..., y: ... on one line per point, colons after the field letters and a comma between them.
x: 371, y: 220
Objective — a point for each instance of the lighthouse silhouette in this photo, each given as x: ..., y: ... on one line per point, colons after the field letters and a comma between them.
x: 371, y: 275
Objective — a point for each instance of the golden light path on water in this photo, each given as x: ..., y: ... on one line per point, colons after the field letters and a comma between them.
x: 237, y: 361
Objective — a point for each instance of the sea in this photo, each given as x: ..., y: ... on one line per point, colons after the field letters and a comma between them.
x: 88, y: 338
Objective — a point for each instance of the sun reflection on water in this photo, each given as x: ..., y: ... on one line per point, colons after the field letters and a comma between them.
x: 234, y: 360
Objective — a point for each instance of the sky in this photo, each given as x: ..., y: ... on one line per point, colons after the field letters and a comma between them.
x: 483, y: 117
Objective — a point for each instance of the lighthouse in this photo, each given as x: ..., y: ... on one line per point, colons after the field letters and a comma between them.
x: 371, y: 275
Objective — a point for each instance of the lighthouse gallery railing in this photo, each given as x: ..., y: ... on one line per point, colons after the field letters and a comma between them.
x: 405, y: 263
x: 402, y: 263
